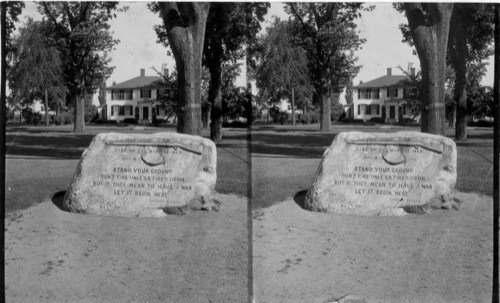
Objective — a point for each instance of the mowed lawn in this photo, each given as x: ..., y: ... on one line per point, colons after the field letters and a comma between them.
x: 40, y: 161
x: 285, y: 158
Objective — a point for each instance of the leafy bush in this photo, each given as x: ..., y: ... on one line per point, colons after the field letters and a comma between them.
x: 377, y: 120
x: 234, y: 124
x: 310, y: 117
x: 91, y: 113
x: 337, y: 112
x: 481, y: 123
x: 64, y: 118
x: 278, y: 115
x: 130, y: 121
x: 31, y: 117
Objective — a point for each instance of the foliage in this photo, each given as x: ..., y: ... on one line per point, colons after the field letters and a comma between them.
x: 80, y: 31
x: 64, y: 118
x: 480, y: 102
x: 469, y: 44
x: 36, y: 66
x: 337, y: 112
x: 168, y: 92
x: 278, y: 115
x: 310, y: 117
x: 13, y: 10
x: 30, y: 116
x: 327, y: 32
x: 234, y: 102
x: 229, y: 26
x: 283, y: 66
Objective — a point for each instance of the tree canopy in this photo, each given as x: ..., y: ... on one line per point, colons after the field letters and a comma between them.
x: 13, y: 10
x: 327, y: 32
x: 36, y: 67
x: 229, y: 26
x: 469, y: 44
x: 283, y: 67
x: 80, y: 31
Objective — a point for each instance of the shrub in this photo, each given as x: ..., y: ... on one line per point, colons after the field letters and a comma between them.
x: 31, y: 117
x: 64, y: 118
x: 377, y: 120
x: 130, y: 121
x: 337, y: 112
x: 310, y: 117
x: 91, y: 113
x: 481, y: 123
x: 278, y: 115
x: 234, y: 124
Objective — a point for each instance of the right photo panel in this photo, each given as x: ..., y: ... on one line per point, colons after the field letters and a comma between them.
x: 372, y: 153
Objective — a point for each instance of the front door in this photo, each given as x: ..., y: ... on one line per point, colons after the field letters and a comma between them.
x: 392, y: 112
x: 145, y: 113
x: 137, y: 114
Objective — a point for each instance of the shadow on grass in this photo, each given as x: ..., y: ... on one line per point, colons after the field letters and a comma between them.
x: 300, y: 198
x: 299, y: 145
x: 50, y: 145
x: 57, y: 199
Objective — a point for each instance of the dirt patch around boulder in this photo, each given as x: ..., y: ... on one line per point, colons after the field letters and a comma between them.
x: 441, y: 256
x: 56, y: 256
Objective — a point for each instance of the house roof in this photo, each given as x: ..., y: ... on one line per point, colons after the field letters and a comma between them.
x: 137, y: 82
x: 386, y: 81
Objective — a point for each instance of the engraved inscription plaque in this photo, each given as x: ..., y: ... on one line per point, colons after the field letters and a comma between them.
x: 125, y: 174
x: 379, y: 173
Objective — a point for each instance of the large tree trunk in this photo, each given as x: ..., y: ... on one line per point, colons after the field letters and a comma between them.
x: 46, y: 107
x: 325, y: 112
x: 429, y: 25
x: 79, y: 114
x: 459, y: 61
x: 293, y: 108
x: 185, y: 24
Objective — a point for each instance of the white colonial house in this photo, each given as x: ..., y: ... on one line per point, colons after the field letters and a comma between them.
x: 134, y: 98
x: 382, y: 98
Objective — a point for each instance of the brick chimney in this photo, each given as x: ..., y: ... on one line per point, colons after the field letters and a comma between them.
x: 389, y: 71
x: 143, y: 72
x: 165, y: 72
x: 114, y: 82
x: 412, y: 71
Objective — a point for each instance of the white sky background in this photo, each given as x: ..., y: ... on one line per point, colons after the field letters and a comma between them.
x: 138, y: 48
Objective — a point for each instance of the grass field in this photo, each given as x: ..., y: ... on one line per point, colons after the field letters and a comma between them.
x: 41, y: 161
x: 285, y: 159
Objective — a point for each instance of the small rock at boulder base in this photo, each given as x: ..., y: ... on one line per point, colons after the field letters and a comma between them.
x: 141, y: 174
x: 381, y: 173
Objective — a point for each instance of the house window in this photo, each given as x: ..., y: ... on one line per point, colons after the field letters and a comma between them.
x: 368, y: 109
x: 112, y: 110
x: 365, y: 94
x: 408, y: 91
x: 392, y: 93
x: 122, y: 94
x: 376, y: 93
x: 359, y: 109
x: 145, y: 93
x: 376, y: 108
x: 121, y: 111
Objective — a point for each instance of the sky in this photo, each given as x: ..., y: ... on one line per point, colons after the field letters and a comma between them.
x: 138, y: 48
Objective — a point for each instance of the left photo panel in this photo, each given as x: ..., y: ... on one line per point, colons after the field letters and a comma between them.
x: 121, y: 185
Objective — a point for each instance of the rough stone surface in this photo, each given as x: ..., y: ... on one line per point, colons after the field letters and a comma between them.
x: 141, y: 174
x: 381, y: 173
